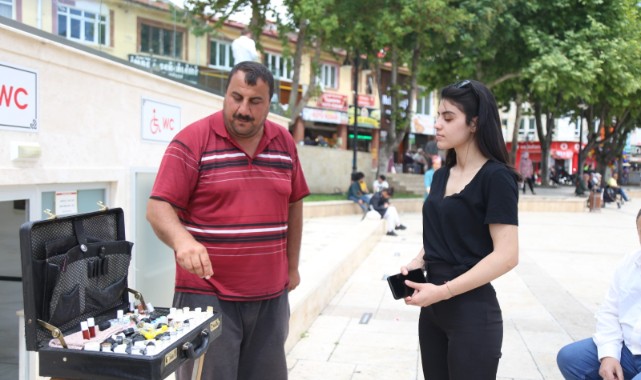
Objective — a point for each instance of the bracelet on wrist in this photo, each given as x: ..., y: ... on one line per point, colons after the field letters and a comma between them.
x: 448, y: 288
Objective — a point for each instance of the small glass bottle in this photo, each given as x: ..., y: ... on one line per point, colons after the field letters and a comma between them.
x: 85, y: 330
x: 92, y: 327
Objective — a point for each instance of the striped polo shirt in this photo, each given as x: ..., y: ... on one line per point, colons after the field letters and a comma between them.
x: 235, y: 205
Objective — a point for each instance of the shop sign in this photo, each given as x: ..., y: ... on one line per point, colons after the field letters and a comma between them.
x: 367, y: 117
x: 423, y: 124
x: 18, y: 98
x: 160, y: 121
x: 324, y: 116
x: 366, y: 101
x: 173, y: 69
x: 530, y: 147
x: 333, y: 101
x: 563, y: 151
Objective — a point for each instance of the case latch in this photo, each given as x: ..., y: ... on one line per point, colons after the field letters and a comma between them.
x: 138, y: 296
x: 55, y: 332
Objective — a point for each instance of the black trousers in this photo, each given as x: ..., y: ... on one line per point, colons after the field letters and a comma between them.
x: 462, y: 336
x: 530, y: 182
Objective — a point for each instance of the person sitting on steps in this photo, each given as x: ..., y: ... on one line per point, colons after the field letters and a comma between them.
x: 381, y: 204
x: 355, y: 194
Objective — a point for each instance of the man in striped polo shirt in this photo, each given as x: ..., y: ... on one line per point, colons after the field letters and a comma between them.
x: 228, y: 200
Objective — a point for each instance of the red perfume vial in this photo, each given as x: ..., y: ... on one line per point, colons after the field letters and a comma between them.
x: 92, y: 327
x: 85, y: 330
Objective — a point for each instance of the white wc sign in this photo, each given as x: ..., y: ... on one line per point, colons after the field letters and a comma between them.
x: 160, y: 121
x: 18, y: 98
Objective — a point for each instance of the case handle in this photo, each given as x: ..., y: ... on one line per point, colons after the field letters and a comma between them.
x: 194, y: 353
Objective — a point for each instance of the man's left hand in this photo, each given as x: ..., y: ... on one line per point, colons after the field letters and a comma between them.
x: 294, y: 279
x: 610, y: 369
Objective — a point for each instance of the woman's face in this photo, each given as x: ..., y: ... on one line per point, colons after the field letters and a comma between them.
x: 451, y: 129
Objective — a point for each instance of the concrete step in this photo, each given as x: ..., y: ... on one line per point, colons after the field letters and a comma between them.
x: 407, y: 183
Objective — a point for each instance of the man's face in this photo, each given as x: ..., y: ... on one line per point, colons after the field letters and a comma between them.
x: 245, y: 107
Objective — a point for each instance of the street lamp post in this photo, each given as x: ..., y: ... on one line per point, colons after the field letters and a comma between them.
x: 582, y: 107
x: 355, y: 124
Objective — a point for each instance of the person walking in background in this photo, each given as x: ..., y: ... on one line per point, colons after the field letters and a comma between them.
x: 464, y: 248
x: 526, y: 169
x: 244, y: 48
x: 381, y: 203
x: 241, y: 259
x: 614, y: 352
x: 419, y: 161
x: 433, y: 164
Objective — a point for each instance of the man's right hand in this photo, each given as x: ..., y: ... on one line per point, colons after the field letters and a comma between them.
x: 610, y: 369
x: 193, y: 257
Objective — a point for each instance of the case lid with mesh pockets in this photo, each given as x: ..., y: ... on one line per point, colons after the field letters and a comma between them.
x: 73, y: 267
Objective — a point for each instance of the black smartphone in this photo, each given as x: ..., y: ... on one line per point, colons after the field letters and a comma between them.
x: 397, y: 283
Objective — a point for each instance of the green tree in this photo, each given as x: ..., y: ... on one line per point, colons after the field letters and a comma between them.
x: 401, y: 30
x: 552, y: 56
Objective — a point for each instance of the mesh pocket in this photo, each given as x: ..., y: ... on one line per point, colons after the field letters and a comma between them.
x: 103, y: 288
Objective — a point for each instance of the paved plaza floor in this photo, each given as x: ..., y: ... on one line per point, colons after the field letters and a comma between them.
x: 548, y: 300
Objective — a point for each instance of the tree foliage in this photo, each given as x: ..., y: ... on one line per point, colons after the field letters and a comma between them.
x: 550, y: 56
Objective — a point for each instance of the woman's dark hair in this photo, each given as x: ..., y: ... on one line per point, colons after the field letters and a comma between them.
x: 253, y: 71
x: 474, y: 99
x: 357, y: 176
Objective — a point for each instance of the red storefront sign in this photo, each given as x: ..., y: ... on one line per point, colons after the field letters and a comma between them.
x: 366, y: 101
x: 333, y: 101
x: 563, y: 150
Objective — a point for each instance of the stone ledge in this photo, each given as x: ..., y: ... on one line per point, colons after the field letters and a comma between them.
x: 535, y: 203
x: 323, y: 273
x: 553, y: 204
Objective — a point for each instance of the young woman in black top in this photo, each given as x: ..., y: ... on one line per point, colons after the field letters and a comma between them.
x: 470, y: 237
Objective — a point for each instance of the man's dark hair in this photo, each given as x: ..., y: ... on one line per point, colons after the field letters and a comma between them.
x: 253, y: 71
x: 382, y: 177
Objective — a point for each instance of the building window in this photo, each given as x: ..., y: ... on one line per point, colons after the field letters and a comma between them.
x: 527, y: 128
x: 369, y: 84
x: 86, y: 200
x: 82, y: 25
x: 6, y: 8
x: 280, y: 67
x: 328, y: 76
x: 160, y: 41
x: 424, y: 102
x: 220, y: 54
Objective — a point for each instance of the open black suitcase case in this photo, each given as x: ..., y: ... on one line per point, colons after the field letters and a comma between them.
x: 75, y: 268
